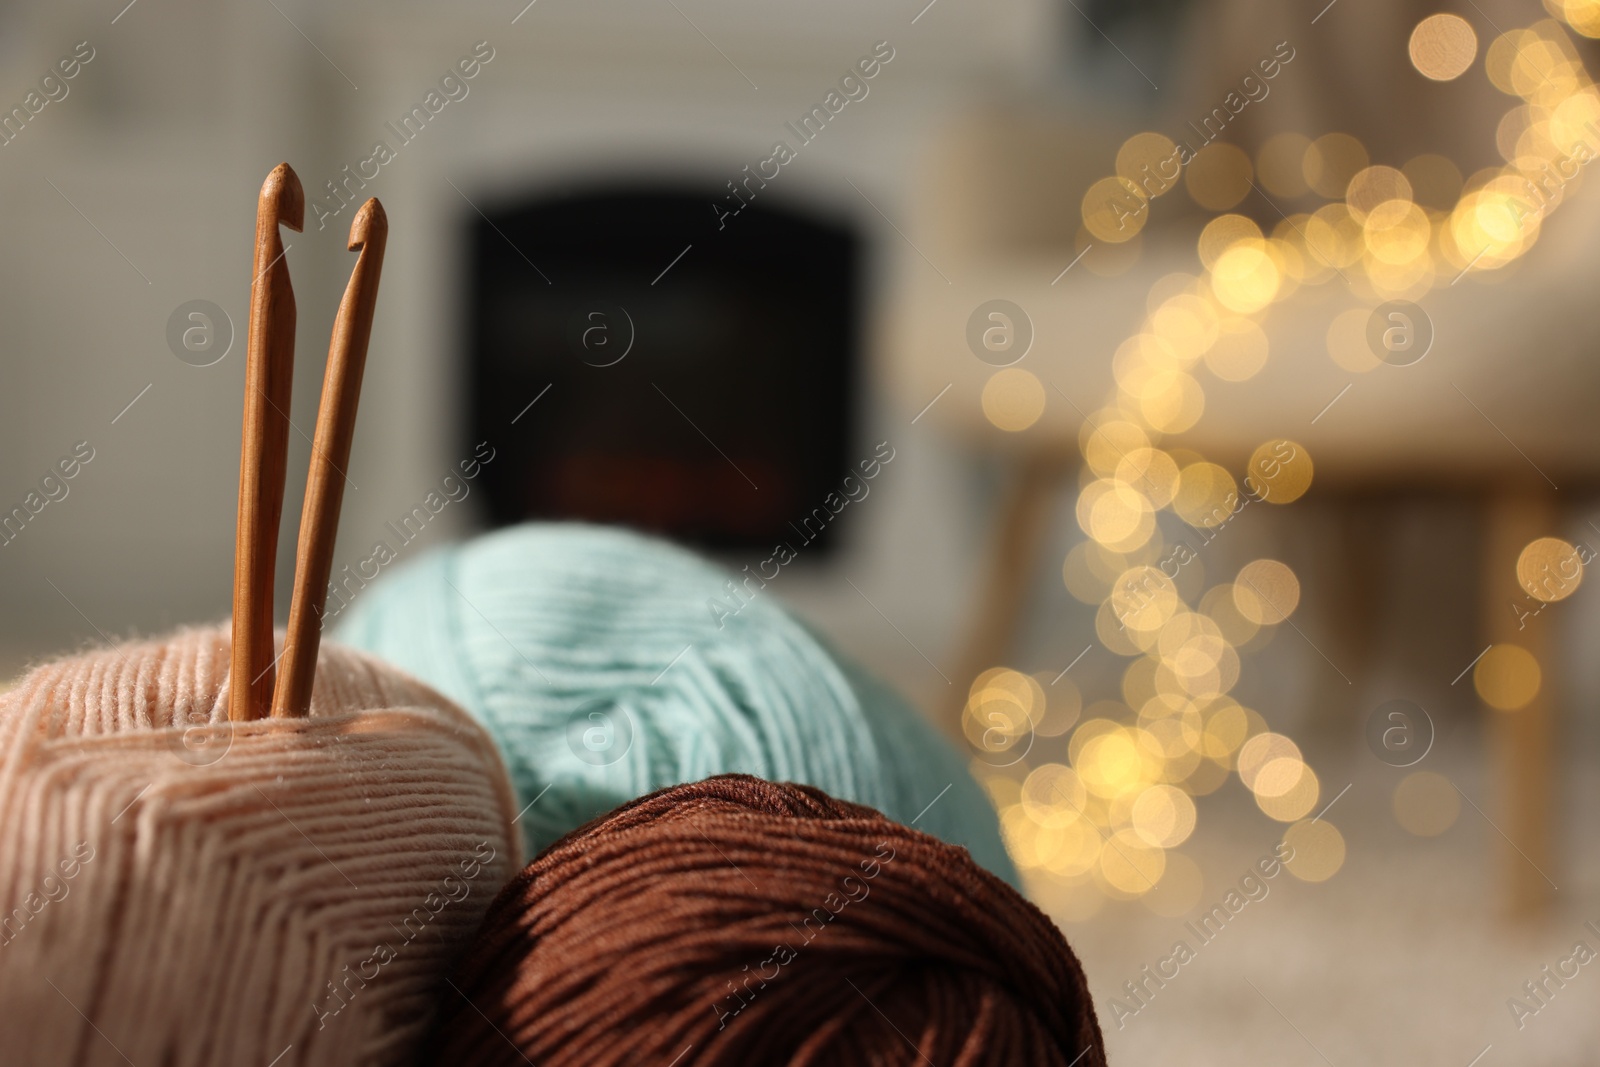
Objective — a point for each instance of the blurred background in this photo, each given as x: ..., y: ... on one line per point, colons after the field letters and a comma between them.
x: 1223, y: 369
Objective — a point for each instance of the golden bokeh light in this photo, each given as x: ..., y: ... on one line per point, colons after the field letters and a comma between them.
x: 1291, y: 244
x: 1152, y: 471
x: 1278, y: 164
x: 1245, y: 278
x: 1163, y: 816
x: 1110, y: 764
x: 1318, y: 850
x: 1397, y: 232
x: 1298, y: 796
x: 1222, y: 233
x: 1372, y: 186
x: 1443, y: 47
x: 1002, y: 709
x: 1218, y: 176
x: 1500, y: 55
x: 1080, y: 579
x: 1260, y: 751
x: 1076, y: 849
x: 1582, y: 15
x: 1150, y: 162
x: 1052, y: 796
x: 1013, y: 399
x: 1116, y: 514
x: 1187, y: 324
x: 1227, y: 728
x: 1106, y: 442
x: 1164, y: 288
x: 1134, y: 766
x: 1171, y: 401
x: 1063, y: 706
x: 1239, y: 352
x: 1426, y: 804
x: 1144, y: 598
x: 1115, y: 636
x: 1549, y: 569
x: 1139, y: 690
x: 1218, y: 604
x: 1289, y: 256
x: 1497, y: 220
x: 1130, y: 865
x: 1115, y: 210
x: 1277, y: 776
x: 1280, y: 471
x: 1543, y: 68
x: 1331, y: 161
x: 1266, y: 591
x: 1572, y: 120
x: 1334, y: 237
x: 1507, y: 677
x: 1207, y: 495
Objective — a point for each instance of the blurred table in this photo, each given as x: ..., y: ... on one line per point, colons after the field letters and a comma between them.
x: 1500, y: 407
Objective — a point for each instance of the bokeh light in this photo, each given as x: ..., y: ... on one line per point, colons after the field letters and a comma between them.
x: 1507, y: 677
x: 1239, y: 352
x: 1218, y: 176
x: 1207, y: 495
x: 1280, y: 471
x: 1115, y: 210
x: 1013, y: 399
x: 1372, y: 186
x: 1386, y: 231
x: 1426, y: 804
x: 1318, y: 850
x: 1331, y: 161
x: 1150, y: 162
x: 1287, y: 790
x: 1549, y: 569
x: 1266, y: 591
x: 1443, y: 47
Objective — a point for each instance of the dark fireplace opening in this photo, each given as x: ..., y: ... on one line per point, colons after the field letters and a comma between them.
x: 701, y: 380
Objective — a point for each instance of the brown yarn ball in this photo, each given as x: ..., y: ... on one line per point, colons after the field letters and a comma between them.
x: 739, y: 921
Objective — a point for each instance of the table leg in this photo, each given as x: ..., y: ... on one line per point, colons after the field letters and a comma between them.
x: 1014, y: 550
x: 1521, y: 740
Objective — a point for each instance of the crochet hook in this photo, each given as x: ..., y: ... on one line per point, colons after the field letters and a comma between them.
x: 330, y: 456
x: 269, y: 372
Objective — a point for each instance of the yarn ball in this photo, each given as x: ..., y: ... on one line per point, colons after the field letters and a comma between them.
x: 737, y: 921
x: 608, y: 665
x: 183, y: 891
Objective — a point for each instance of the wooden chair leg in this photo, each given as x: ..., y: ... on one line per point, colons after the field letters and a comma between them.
x: 1522, y: 740
x: 1002, y: 598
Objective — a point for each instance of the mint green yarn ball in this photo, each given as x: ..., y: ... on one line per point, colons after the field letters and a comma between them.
x: 594, y: 658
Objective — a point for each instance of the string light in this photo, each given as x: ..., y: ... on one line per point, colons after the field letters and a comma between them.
x: 1102, y: 825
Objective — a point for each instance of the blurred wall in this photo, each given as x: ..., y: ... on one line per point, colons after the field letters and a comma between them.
x: 134, y: 193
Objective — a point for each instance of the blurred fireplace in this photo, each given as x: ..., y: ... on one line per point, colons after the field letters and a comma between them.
x: 705, y: 394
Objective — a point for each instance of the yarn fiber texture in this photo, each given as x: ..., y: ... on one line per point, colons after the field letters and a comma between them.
x: 180, y: 891
x: 593, y: 657
x: 736, y: 921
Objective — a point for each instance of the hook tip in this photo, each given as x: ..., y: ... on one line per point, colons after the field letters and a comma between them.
x: 282, y: 191
x: 370, y: 222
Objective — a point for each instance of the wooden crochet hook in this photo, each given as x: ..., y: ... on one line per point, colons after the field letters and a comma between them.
x: 263, y: 460
x: 330, y: 456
